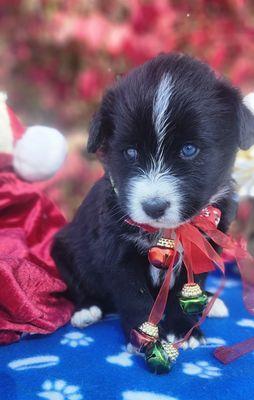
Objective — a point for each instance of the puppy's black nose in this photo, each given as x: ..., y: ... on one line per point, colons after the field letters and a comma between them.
x: 155, y: 208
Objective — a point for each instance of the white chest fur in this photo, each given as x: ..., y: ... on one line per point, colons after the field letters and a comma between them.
x: 157, y: 276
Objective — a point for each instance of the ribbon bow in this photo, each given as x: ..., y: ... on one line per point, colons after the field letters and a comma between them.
x: 199, y: 256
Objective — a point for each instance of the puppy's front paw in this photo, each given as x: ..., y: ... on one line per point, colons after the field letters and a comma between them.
x: 86, y: 316
x: 177, y: 328
x: 219, y: 309
x: 192, y: 343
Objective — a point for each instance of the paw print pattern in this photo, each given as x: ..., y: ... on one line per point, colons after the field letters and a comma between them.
x: 215, y: 341
x: 135, y: 395
x: 22, y: 364
x: 123, y: 359
x: 75, y: 339
x: 202, y: 369
x: 246, y: 322
x: 215, y: 282
x: 60, y: 390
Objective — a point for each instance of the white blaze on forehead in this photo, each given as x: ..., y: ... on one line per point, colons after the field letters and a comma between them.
x: 160, y: 106
x: 158, y: 181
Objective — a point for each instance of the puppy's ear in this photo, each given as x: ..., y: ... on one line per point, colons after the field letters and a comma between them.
x: 101, y: 125
x: 95, y: 133
x: 246, y: 138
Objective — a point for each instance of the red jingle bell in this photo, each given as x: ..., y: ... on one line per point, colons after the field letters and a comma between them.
x: 161, y: 255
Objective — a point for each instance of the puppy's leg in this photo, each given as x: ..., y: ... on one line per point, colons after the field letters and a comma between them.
x: 131, y: 295
x: 219, y: 309
x: 69, y: 263
x: 176, y: 323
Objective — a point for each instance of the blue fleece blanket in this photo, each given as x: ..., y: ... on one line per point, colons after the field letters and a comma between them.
x: 92, y: 364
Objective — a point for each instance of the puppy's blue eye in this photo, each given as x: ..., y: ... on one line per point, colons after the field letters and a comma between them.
x: 130, y: 154
x: 189, y: 151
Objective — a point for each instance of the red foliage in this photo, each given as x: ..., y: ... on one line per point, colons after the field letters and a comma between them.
x: 57, y: 56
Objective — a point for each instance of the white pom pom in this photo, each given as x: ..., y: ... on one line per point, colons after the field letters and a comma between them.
x: 249, y: 101
x: 39, y: 153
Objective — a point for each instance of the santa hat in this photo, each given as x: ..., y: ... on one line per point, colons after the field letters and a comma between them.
x: 36, y: 152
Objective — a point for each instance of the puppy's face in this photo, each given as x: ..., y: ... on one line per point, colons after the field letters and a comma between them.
x: 169, y: 132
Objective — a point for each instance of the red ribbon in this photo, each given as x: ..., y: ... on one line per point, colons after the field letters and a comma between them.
x: 199, y: 257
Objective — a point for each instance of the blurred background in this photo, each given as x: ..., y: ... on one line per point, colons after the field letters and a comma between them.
x: 57, y: 56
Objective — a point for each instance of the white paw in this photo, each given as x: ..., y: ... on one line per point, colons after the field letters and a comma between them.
x: 86, y: 316
x: 219, y: 309
x: 191, y: 343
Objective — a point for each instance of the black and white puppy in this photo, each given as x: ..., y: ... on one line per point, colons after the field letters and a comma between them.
x: 167, y: 134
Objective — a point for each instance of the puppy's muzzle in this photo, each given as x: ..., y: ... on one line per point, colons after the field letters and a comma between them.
x: 155, y: 207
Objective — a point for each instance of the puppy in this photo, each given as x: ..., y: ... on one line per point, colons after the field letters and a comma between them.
x: 167, y: 134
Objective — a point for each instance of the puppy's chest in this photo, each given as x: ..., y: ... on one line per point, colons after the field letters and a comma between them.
x: 143, y: 242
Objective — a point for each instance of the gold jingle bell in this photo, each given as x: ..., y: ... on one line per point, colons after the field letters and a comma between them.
x: 149, y: 329
x: 192, y: 299
x: 170, y: 350
x: 145, y: 334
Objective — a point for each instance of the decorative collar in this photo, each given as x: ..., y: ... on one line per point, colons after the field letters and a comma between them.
x: 198, y: 257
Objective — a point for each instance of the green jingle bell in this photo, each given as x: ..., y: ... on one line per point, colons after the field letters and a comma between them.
x: 192, y: 299
x: 195, y: 305
x: 160, y: 356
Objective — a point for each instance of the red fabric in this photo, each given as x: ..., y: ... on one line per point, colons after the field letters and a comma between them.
x: 31, y: 295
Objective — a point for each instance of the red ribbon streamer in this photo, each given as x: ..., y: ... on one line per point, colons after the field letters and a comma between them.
x: 200, y: 257
x: 227, y: 354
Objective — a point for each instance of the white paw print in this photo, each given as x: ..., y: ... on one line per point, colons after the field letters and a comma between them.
x: 202, y: 369
x: 75, y: 339
x: 135, y: 395
x: 60, y: 390
x: 231, y: 283
x: 123, y: 359
x: 34, y: 362
x: 215, y: 341
x: 248, y: 323
x: 215, y: 282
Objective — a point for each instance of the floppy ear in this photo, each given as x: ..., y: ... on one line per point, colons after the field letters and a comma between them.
x: 95, y: 133
x: 246, y: 138
x: 101, y: 125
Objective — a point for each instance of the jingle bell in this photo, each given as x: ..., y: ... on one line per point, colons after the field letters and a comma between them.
x: 145, y: 334
x: 161, y: 254
x: 160, y: 357
x: 192, y: 299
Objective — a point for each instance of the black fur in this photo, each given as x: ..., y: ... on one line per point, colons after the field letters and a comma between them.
x: 103, y: 259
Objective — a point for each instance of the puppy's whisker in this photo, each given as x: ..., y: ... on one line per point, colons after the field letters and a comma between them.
x: 118, y: 211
